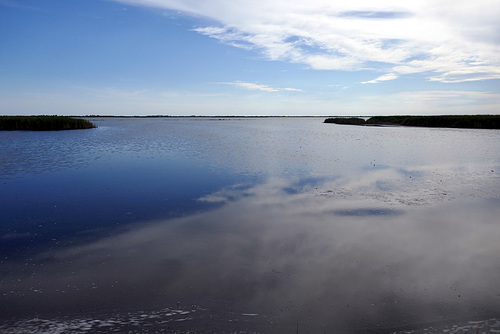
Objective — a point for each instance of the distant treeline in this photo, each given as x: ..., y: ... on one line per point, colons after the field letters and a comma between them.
x: 43, y: 123
x: 458, y: 121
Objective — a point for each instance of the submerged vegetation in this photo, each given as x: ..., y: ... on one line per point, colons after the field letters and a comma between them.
x: 43, y: 123
x: 454, y: 121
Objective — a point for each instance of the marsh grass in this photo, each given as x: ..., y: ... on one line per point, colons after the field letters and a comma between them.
x: 43, y: 123
x: 452, y: 121
x: 346, y: 120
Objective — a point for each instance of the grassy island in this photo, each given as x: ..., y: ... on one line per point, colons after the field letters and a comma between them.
x: 455, y: 121
x: 43, y: 123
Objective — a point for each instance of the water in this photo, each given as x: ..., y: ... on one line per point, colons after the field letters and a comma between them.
x: 249, y: 225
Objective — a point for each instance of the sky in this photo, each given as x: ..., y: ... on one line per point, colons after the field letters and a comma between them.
x: 249, y: 57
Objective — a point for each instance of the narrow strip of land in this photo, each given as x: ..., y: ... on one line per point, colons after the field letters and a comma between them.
x: 453, y: 121
x: 43, y: 123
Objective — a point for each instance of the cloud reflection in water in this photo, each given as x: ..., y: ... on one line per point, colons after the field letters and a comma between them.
x: 327, y: 262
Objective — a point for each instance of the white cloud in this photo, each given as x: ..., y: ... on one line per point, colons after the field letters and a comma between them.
x: 250, y: 86
x: 449, y: 40
x: 385, y: 77
x: 254, y: 86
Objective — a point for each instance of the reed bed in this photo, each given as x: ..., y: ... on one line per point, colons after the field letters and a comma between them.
x: 43, y: 123
x: 453, y: 121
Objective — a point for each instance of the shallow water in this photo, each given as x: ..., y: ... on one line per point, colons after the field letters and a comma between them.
x: 253, y: 225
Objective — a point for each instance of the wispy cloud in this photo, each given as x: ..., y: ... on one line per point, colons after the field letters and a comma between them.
x: 449, y: 40
x: 250, y: 86
x: 385, y: 77
x: 259, y: 87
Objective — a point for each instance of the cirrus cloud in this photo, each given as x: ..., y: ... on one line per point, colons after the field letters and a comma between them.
x: 447, y: 40
x: 260, y: 87
x: 385, y: 77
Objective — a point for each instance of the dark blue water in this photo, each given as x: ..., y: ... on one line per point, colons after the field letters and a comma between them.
x: 252, y: 225
x: 57, y: 186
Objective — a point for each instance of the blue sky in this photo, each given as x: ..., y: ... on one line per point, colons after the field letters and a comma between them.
x: 249, y: 57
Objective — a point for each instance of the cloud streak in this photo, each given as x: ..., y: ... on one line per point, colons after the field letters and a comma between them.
x: 448, y: 41
x: 385, y: 77
x: 258, y: 87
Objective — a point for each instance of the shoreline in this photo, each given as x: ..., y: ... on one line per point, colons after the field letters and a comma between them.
x: 452, y: 121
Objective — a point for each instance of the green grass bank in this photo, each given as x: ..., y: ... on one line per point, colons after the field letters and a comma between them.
x: 454, y: 121
x: 43, y: 123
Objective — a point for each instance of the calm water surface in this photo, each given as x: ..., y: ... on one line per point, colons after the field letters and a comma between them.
x: 256, y: 225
